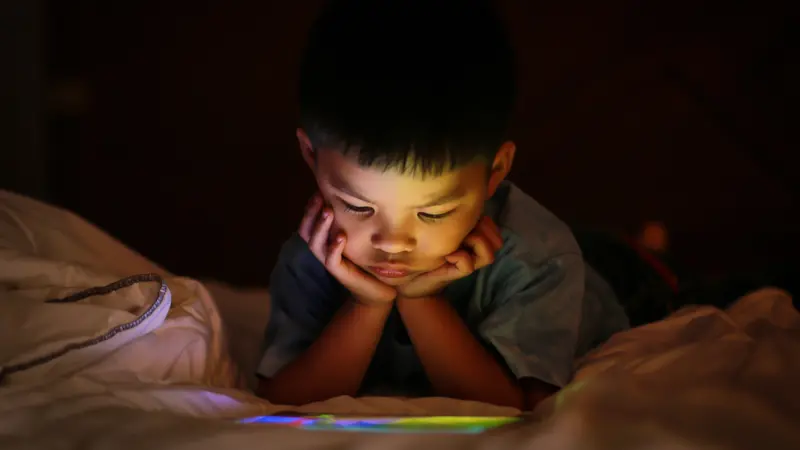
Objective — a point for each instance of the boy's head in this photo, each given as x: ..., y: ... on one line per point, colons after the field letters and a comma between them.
x: 404, y: 106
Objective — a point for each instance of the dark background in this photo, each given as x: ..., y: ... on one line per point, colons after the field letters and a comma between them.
x: 171, y: 124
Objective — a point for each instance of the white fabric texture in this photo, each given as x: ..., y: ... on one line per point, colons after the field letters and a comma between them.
x: 148, y: 365
x: 156, y: 341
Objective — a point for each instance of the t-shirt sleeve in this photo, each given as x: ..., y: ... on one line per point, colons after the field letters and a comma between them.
x: 304, y: 298
x: 535, y: 324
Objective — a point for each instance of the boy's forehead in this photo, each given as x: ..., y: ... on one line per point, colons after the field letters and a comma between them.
x: 344, y: 173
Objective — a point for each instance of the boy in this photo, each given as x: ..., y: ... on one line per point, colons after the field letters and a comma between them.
x: 416, y: 268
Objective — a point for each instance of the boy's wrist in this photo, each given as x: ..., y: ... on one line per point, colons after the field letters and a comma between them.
x: 370, y: 303
x: 404, y: 300
x: 367, y: 313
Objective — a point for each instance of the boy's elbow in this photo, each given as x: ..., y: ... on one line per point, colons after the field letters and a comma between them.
x: 515, y: 397
x: 263, y: 389
x: 281, y: 391
x: 269, y: 391
x: 516, y: 401
x: 534, y: 392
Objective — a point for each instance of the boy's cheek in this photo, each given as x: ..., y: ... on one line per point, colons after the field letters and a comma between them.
x: 456, y: 242
x: 340, y: 226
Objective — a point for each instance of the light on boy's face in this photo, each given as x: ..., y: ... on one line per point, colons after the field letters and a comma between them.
x: 400, y: 222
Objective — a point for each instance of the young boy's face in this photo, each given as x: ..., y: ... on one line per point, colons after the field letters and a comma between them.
x: 399, y: 225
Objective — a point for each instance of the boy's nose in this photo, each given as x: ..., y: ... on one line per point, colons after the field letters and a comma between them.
x: 394, y: 243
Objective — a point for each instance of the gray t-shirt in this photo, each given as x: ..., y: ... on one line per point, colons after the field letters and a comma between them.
x: 536, y: 308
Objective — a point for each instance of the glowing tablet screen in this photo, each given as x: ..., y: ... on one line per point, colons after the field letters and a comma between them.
x: 432, y: 424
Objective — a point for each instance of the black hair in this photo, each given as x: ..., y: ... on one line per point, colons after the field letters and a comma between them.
x: 412, y: 85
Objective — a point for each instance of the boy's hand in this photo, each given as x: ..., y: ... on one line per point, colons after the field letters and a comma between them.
x: 315, y: 229
x: 478, y: 250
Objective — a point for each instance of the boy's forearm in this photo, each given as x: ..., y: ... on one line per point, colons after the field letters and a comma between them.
x: 456, y: 363
x: 335, y: 363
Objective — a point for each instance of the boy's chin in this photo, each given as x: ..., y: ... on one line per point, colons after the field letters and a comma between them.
x: 395, y: 281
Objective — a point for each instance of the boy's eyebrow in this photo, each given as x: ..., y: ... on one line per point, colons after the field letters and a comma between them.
x: 454, y: 194
x: 342, y: 186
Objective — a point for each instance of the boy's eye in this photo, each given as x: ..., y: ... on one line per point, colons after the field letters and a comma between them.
x: 433, y: 217
x: 357, y: 210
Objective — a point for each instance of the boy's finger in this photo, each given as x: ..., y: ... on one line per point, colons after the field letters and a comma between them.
x: 359, y: 283
x: 341, y: 269
x: 446, y: 272
x: 310, y: 218
x: 336, y: 264
x: 483, y: 250
x: 492, y: 232
x: 462, y: 260
x: 319, y: 237
x: 333, y: 260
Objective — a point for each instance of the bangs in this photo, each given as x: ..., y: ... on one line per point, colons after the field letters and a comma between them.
x: 405, y: 153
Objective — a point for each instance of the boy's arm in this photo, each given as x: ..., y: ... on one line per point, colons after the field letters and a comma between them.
x: 534, y: 328
x: 319, y: 347
x: 335, y: 363
x: 319, y: 341
x: 457, y: 364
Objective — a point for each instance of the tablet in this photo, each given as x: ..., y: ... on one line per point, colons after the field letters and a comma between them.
x: 423, y: 424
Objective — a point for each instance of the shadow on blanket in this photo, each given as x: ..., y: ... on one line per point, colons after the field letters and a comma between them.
x: 642, y: 280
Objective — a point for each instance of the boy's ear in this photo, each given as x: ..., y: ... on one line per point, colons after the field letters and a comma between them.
x: 501, y: 166
x: 306, y: 149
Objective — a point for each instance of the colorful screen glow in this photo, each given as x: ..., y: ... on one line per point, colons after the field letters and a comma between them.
x: 432, y: 424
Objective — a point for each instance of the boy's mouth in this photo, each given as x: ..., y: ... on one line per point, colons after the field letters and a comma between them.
x: 391, y: 271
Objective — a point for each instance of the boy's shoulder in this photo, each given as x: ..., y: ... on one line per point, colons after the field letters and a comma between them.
x: 527, y: 226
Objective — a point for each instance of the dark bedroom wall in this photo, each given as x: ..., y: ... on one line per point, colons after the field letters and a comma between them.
x: 23, y: 165
x: 176, y: 126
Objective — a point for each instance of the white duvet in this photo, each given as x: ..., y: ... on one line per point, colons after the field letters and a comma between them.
x: 100, y: 348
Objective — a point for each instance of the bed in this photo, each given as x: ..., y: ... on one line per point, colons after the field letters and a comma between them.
x: 101, y: 348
